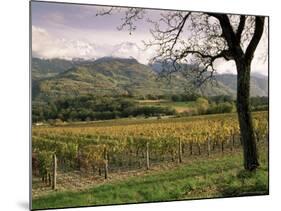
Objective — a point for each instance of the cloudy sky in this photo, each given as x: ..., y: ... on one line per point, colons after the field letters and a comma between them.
x: 74, y: 31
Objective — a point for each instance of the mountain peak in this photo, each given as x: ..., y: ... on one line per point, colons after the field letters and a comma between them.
x: 130, y: 60
x: 108, y: 75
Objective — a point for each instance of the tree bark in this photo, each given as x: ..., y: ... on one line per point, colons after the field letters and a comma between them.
x: 244, y: 115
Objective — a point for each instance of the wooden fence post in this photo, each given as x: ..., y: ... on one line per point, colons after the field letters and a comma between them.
x: 208, y: 147
x: 79, y: 157
x: 190, y: 148
x: 147, y: 155
x: 180, y: 151
x: 49, y: 179
x: 105, y: 163
x: 257, y: 136
x: 214, y: 145
x: 54, y: 186
x: 199, y: 148
x: 232, y: 142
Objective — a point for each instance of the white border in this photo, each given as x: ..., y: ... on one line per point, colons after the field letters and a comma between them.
x: 14, y: 116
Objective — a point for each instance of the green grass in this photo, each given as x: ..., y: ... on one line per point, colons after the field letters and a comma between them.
x: 178, y: 106
x: 130, y: 121
x: 216, y: 177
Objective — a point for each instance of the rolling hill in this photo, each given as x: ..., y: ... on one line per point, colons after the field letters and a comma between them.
x: 55, y: 78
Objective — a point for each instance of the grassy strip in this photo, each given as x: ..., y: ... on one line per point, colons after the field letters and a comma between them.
x: 134, y: 121
x: 222, y: 177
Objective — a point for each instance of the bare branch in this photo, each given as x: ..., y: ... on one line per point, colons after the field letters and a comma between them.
x: 195, y: 38
x: 229, y: 34
x: 240, y: 27
x: 131, y: 16
x: 180, y: 27
x: 105, y: 12
x: 201, y: 44
x: 259, y: 27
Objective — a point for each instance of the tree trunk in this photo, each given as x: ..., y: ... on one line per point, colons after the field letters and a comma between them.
x: 244, y: 116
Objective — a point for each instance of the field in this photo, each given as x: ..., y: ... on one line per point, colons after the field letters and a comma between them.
x: 178, y: 106
x: 141, y: 160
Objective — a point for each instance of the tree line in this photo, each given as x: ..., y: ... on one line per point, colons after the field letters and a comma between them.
x: 89, y: 108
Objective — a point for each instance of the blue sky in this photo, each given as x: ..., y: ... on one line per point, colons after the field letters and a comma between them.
x: 71, y: 30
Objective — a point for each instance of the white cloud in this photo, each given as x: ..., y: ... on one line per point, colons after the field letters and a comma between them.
x: 50, y: 45
x: 46, y: 45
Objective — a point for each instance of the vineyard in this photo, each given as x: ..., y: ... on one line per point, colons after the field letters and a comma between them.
x: 103, y: 148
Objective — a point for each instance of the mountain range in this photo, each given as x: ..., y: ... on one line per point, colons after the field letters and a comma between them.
x: 55, y: 78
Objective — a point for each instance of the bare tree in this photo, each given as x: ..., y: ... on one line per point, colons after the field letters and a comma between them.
x: 203, y: 38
